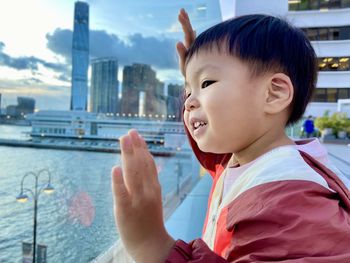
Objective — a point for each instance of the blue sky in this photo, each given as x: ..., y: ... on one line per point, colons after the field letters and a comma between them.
x: 35, y: 41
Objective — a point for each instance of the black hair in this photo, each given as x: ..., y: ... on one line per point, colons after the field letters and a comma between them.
x: 267, y: 44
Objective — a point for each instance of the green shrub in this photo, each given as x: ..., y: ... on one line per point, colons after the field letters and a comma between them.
x: 338, y: 122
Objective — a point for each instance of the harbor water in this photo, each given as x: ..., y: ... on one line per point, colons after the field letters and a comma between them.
x: 76, y: 221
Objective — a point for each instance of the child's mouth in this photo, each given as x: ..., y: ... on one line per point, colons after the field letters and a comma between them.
x: 199, y: 128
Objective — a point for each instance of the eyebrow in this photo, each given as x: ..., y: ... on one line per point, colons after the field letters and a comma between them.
x: 203, y: 68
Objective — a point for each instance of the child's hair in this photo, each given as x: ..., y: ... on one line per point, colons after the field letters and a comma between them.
x: 266, y: 44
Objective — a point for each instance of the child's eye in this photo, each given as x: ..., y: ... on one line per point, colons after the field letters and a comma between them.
x: 207, y: 83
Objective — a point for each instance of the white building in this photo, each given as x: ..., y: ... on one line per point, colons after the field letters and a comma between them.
x: 327, y: 24
x: 86, y: 125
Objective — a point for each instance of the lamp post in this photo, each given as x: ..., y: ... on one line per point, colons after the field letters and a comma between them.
x: 22, y: 197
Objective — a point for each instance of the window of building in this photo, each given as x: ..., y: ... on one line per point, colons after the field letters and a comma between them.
x: 333, y: 33
x: 330, y: 94
x: 345, y: 3
x: 320, y: 95
x: 295, y: 5
x: 328, y: 33
x: 323, y: 34
x: 343, y: 93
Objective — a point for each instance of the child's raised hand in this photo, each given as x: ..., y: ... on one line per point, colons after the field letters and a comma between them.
x: 190, y: 36
x: 138, y: 207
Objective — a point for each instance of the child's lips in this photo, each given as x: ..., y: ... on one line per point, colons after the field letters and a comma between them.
x: 197, y: 123
x: 198, y: 126
x: 200, y: 130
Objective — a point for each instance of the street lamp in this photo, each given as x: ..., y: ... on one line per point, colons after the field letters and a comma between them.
x: 22, y: 197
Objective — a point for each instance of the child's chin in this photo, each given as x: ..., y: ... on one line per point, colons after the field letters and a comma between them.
x: 207, y: 148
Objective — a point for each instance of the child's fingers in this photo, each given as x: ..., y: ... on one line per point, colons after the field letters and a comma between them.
x: 181, y: 51
x: 120, y: 191
x: 145, y: 162
x: 185, y: 22
x: 135, y: 138
x: 143, y: 143
x: 130, y: 164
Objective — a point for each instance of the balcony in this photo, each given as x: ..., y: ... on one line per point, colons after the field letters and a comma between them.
x: 333, y: 79
x: 320, y: 18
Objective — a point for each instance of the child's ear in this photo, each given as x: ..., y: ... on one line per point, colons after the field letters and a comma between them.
x: 279, y: 93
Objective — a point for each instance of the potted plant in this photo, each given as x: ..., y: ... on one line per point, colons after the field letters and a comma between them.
x: 324, y: 124
x: 340, y: 123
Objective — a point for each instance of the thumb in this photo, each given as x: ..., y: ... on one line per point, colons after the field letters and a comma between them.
x: 120, y: 192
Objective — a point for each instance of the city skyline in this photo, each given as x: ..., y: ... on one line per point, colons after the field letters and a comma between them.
x: 35, y: 56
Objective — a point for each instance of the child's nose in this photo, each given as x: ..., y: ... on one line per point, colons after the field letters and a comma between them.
x: 191, y: 103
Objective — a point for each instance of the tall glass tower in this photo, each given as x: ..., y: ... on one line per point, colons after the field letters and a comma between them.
x: 104, y: 85
x: 80, y: 57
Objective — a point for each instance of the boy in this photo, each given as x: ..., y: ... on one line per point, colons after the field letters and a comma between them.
x: 271, y: 200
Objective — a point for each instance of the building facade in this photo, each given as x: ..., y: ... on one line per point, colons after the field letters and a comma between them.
x: 143, y: 93
x: 25, y: 105
x: 80, y: 57
x: 175, y: 100
x: 327, y: 25
x: 104, y: 86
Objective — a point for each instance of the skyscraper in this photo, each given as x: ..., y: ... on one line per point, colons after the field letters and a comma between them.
x: 80, y: 57
x: 138, y: 81
x: 104, y: 85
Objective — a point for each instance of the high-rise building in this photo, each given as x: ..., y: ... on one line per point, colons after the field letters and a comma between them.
x: 139, y: 83
x: 175, y: 101
x: 155, y: 103
x: 80, y: 57
x: 24, y: 106
x: 175, y: 90
x: 104, y: 85
x: 327, y: 25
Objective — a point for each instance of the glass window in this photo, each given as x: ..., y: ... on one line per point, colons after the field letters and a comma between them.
x: 313, y: 4
x: 333, y: 4
x: 312, y: 33
x: 320, y: 95
x: 323, y: 34
x: 332, y: 95
x: 132, y: 45
x: 333, y: 33
x: 324, y: 4
x: 345, y: 3
x: 343, y: 93
x: 344, y: 32
x: 293, y: 6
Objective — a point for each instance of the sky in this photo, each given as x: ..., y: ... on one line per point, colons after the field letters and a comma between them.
x: 36, y: 40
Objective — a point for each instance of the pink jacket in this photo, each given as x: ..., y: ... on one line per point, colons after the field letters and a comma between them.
x: 283, y: 220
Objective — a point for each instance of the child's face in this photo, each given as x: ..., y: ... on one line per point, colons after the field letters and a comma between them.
x: 226, y: 99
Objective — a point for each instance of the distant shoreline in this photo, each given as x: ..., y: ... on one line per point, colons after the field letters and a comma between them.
x: 77, y: 145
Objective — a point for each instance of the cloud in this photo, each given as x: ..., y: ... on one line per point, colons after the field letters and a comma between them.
x: 53, y: 97
x: 29, y: 63
x: 158, y: 52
